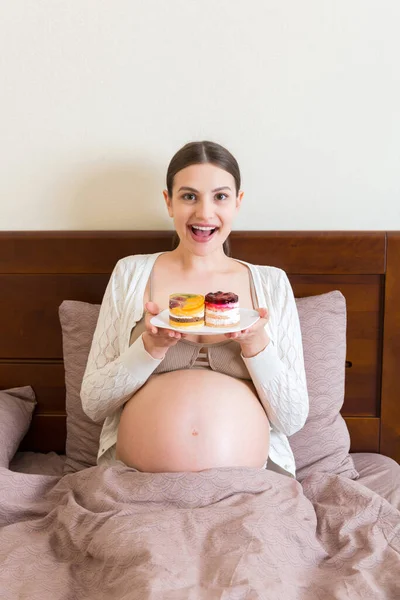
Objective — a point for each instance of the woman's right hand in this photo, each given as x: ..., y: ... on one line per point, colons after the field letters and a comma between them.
x: 157, y: 340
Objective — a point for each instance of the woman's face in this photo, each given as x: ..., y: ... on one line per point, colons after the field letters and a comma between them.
x: 203, y: 206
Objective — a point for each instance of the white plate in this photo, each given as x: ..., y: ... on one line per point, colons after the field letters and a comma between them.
x: 248, y: 317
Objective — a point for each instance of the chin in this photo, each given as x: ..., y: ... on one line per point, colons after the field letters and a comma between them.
x: 204, y: 249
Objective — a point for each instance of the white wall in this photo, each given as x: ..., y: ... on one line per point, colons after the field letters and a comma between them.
x: 97, y: 95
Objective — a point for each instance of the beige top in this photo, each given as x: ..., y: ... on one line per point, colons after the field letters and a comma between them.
x: 224, y: 357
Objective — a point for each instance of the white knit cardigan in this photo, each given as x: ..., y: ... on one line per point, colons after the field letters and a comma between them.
x: 115, y: 370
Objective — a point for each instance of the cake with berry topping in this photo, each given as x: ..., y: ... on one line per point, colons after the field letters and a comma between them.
x: 222, y: 309
x: 186, y: 310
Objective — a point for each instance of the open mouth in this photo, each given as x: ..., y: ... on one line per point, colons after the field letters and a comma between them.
x: 202, y: 234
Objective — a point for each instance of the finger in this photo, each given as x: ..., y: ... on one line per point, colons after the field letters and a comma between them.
x: 152, y: 308
x: 172, y: 333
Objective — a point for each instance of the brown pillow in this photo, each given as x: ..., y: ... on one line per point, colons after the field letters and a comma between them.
x: 16, y: 408
x: 78, y: 322
x: 322, y: 444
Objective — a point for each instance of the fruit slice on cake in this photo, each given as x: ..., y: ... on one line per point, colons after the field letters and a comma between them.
x: 186, y: 310
x: 222, y: 309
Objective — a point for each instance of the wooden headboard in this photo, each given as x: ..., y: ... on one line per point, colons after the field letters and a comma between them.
x: 38, y: 270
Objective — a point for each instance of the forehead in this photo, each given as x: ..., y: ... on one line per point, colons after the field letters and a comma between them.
x: 203, y: 177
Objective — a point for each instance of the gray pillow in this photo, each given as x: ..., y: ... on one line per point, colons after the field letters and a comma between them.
x: 78, y: 322
x: 323, y: 443
x: 16, y: 408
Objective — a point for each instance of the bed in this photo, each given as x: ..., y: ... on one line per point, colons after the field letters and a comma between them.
x: 219, y: 517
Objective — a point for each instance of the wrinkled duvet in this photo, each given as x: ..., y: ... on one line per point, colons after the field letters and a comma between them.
x: 235, y: 533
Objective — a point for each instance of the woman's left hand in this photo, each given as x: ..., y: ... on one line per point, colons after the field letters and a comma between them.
x: 253, y: 339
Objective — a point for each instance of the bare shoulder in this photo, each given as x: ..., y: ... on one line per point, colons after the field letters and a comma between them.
x: 165, y: 259
x: 164, y: 264
x: 237, y: 267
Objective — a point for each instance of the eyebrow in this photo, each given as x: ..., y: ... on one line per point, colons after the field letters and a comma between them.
x: 218, y: 189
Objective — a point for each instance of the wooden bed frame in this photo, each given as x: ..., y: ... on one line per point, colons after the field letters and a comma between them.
x: 38, y: 270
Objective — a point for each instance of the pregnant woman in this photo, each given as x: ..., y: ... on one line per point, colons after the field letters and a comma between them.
x: 173, y: 401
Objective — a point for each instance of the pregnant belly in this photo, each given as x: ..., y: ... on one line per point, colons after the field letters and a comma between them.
x: 191, y: 420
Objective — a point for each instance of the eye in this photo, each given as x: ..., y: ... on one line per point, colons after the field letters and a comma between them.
x: 189, y: 196
x: 221, y: 196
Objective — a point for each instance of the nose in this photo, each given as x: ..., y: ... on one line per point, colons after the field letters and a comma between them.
x: 205, y: 210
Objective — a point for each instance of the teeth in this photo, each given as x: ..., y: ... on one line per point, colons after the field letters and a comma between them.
x: 203, y: 228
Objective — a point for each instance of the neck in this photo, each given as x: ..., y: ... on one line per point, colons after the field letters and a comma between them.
x: 190, y: 262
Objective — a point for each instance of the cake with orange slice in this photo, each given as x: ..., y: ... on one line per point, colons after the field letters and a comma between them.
x: 186, y: 310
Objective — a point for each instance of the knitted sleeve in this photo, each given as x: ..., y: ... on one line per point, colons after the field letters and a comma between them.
x: 112, y: 377
x: 278, y: 371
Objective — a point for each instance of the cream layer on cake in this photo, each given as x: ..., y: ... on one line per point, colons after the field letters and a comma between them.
x: 216, y: 319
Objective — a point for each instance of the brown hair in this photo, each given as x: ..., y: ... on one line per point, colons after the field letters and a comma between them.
x: 195, y: 153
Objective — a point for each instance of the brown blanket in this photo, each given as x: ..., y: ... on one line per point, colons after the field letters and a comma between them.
x: 219, y: 534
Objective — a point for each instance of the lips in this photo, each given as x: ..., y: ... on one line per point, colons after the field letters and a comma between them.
x: 202, y: 233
